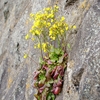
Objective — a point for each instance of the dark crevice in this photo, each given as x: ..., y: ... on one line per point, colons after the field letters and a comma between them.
x: 70, y: 2
x: 18, y: 55
x: 2, y: 77
x: 76, y: 77
x: 17, y: 46
x: 6, y: 14
x: 5, y: 3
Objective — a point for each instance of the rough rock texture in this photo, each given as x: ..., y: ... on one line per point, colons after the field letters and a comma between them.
x: 86, y: 73
x: 81, y: 81
x: 84, y: 62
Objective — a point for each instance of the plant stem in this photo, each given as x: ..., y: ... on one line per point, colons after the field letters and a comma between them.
x: 40, y: 46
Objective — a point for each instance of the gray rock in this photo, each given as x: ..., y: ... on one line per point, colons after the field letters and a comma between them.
x: 86, y: 54
x: 81, y: 81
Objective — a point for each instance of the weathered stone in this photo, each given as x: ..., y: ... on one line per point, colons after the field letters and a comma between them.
x: 81, y: 81
x: 86, y: 54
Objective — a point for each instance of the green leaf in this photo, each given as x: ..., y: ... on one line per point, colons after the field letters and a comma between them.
x: 58, y: 51
x: 48, y: 84
x: 60, y: 59
x: 42, y: 77
x: 52, y: 49
x: 54, y: 59
x: 41, y: 61
x: 51, y: 96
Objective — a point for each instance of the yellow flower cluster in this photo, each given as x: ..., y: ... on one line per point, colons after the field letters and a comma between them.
x: 42, y: 19
x: 43, y: 46
x: 27, y: 36
x: 58, y: 28
x: 47, y: 27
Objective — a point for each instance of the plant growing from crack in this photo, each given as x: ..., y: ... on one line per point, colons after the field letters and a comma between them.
x: 49, y: 33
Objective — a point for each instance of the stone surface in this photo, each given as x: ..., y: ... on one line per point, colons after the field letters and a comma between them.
x: 81, y: 81
x: 85, y: 58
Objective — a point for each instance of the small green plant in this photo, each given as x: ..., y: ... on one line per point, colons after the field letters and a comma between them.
x: 49, y: 33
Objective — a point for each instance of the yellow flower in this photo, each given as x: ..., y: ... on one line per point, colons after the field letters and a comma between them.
x: 38, y: 45
x: 35, y: 46
x: 55, y: 6
x: 50, y: 32
x: 33, y: 33
x: 52, y: 20
x: 27, y: 37
x: 31, y: 15
x: 54, y: 26
x: 66, y: 28
x: 44, y: 47
x: 33, y: 27
x: 74, y: 27
x: 62, y: 31
x: 37, y: 32
x: 36, y: 24
x: 62, y: 18
x: 48, y: 24
x: 25, y: 56
x: 44, y: 22
x: 46, y: 9
x: 51, y: 15
x: 30, y: 31
x: 53, y: 38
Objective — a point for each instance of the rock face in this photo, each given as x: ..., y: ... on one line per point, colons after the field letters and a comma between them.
x: 82, y: 77
x: 86, y: 73
x: 85, y: 58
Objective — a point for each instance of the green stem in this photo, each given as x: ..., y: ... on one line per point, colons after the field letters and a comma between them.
x: 40, y: 46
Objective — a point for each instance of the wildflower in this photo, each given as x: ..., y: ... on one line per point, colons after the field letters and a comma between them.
x: 54, y: 26
x: 55, y: 6
x: 62, y: 18
x: 44, y: 22
x: 66, y: 28
x: 48, y: 24
x: 74, y: 27
x: 52, y: 37
x: 51, y: 15
x: 44, y: 47
x: 50, y: 32
x: 52, y: 20
x: 30, y: 31
x: 25, y: 56
x: 62, y: 31
x: 36, y: 24
x: 37, y: 32
x: 35, y: 46
x: 27, y: 37
x: 38, y: 45
x: 46, y: 9
x: 31, y: 15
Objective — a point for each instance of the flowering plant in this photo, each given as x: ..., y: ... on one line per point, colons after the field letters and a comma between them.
x: 49, y: 33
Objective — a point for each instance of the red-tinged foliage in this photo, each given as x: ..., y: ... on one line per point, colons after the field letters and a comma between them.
x: 57, y: 90
x: 40, y: 90
x: 49, y: 77
x: 56, y: 74
x: 36, y: 73
x: 45, y: 67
